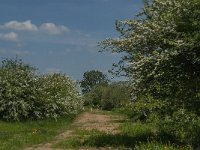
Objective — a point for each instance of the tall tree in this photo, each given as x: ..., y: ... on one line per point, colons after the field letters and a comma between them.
x: 92, y: 78
x: 162, y: 51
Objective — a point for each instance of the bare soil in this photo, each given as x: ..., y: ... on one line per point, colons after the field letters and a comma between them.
x: 86, y: 121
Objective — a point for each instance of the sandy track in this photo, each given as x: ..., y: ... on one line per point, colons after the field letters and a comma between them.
x: 86, y: 121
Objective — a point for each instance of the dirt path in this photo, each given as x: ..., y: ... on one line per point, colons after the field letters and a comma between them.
x: 86, y: 121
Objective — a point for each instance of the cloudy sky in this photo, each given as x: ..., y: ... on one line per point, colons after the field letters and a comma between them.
x: 62, y: 35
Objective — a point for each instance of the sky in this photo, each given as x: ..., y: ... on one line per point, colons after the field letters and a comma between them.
x: 62, y: 35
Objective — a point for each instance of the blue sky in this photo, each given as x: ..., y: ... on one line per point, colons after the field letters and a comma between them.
x: 62, y: 35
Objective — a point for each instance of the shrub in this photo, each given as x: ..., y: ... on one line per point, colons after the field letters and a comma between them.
x: 183, y: 126
x: 141, y: 110
x: 115, y: 95
x: 17, y: 89
x: 58, y: 96
x: 93, y: 98
x: 24, y: 95
x: 108, y: 97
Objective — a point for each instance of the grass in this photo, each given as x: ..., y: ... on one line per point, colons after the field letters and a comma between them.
x: 17, y: 135
x: 96, y: 139
x: 137, y: 135
x: 133, y: 136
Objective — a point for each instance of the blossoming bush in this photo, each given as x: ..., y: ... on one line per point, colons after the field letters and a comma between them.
x: 24, y: 95
x: 17, y: 90
x: 58, y: 96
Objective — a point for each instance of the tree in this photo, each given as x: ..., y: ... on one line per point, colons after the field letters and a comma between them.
x: 92, y: 78
x: 162, y: 52
x: 114, y: 95
x: 162, y: 58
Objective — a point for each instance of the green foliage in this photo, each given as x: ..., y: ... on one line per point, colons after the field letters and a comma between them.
x: 141, y: 110
x: 91, y: 79
x: 161, y: 50
x: 58, y: 96
x: 17, y: 90
x: 183, y: 126
x: 24, y: 95
x: 180, y: 127
x: 114, y: 95
x: 93, y: 98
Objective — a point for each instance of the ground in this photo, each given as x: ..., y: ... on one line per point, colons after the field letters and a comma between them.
x: 87, y: 121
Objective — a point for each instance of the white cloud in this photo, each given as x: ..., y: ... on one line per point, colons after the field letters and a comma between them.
x: 12, y: 36
x: 26, y: 25
x: 51, y: 28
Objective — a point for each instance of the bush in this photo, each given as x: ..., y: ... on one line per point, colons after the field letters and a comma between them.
x: 58, y: 96
x: 108, y: 97
x: 24, y: 95
x: 141, y: 110
x: 183, y: 126
x: 17, y: 90
x: 93, y: 98
x: 115, y: 95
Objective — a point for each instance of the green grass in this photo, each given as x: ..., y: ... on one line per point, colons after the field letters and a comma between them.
x: 154, y: 145
x: 17, y: 135
x: 95, y: 139
x: 137, y: 129
x: 147, y: 137
x: 133, y: 135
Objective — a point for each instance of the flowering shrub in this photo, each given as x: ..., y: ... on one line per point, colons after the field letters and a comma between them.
x: 58, y: 95
x: 17, y: 90
x: 24, y: 95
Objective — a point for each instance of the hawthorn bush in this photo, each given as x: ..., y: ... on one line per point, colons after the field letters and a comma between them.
x: 17, y: 90
x: 25, y: 95
x: 58, y: 95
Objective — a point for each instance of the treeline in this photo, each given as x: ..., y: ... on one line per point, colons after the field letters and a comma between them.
x: 99, y: 92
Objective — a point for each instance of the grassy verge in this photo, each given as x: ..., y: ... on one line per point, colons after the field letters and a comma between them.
x: 130, y: 138
x: 135, y: 135
x: 146, y: 137
x: 138, y: 140
x: 17, y: 135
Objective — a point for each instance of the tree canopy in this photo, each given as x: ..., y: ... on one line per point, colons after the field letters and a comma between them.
x: 161, y: 55
x: 92, y: 78
x: 162, y: 51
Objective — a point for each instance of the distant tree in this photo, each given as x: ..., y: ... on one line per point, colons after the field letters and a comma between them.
x: 92, y: 78
x: 114, y: 95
